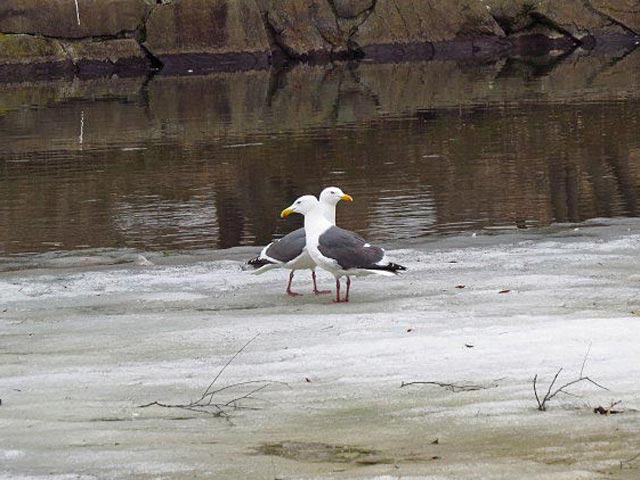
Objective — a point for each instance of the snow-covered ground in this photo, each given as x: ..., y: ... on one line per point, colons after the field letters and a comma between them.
x: 89, y: 337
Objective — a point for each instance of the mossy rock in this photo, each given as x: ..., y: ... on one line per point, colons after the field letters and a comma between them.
x: 29, y: 49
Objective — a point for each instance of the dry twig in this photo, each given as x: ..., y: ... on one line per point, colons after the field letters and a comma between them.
x: 629, y: 460
x: 206, y: 403
x: 454, y: 387
x: 542, y: 404
x: 609, y: 410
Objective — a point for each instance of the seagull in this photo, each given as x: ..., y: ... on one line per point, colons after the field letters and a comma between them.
x: 290, y: 252
x: 339, y: 251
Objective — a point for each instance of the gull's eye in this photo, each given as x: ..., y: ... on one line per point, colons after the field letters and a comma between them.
x: 333, y: 192
x: 298, y: 202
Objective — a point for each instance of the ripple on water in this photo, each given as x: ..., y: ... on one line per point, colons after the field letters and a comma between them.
x: 424, y: 148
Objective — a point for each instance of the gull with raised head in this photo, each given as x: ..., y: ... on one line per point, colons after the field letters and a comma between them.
x: 339, y: 251
x: 289, y: 252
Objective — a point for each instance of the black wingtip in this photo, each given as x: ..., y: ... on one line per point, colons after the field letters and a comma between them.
x: 394, y: 267
x: 390, y: 267
x: 258, y: 262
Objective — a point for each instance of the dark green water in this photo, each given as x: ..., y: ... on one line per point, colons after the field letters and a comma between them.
x: 424, y: 148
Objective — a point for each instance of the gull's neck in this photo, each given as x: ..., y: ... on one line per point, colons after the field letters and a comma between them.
x: 328, y: 211
x: 315, y: 224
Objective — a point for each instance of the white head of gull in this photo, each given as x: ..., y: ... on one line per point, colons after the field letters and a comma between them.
x: 329, y: 198
x: 289, y: 252
x: 339, y: 251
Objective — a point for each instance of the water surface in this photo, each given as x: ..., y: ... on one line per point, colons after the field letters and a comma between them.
x: 209, y: 161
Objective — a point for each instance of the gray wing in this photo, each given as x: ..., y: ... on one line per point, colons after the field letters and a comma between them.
x: 349, y: 249
x: 288, y: 247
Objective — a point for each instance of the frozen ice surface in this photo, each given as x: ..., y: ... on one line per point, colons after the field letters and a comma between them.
x: 87, y: 338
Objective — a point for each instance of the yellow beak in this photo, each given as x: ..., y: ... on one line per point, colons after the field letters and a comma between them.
x: 346, y: 197
x: 286, y: 212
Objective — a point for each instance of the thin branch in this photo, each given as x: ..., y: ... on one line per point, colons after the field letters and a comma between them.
x: 219, y: 413
x: 227, y: 364
x: 233, y: 385
x: 584, y: 361
x: 205, y: 403
x: 629, y: 460
x: 551, y: 393
x: 248, y: 395
x: 454, y: 387
x: 535, y: 391
x: 608, y: 410
x: 555, y: 377
x: 569, y: 394
x: 596, y: 383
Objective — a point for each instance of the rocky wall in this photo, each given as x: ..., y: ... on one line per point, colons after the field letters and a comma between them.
x: 103, y: 37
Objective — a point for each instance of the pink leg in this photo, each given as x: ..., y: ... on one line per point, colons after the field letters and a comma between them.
x: 315, y: 286
x: 346, y: 298
x: 289, y: 291
x: 337, y: 300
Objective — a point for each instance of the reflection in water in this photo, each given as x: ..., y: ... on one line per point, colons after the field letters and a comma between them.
x: 403, y: 213
x: 209, y: 162
x: 186, y: 224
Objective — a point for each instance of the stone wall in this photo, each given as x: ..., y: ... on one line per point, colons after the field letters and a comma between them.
x: 129, y: 36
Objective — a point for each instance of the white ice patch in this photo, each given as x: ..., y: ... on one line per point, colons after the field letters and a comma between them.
x: 11, y: 454
x: 68, y: 359
x: 220, y: 275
